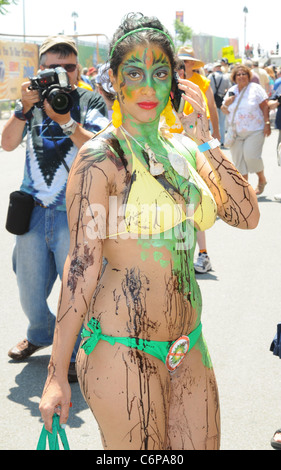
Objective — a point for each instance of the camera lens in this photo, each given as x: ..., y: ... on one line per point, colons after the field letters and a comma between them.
x: 61, y: 102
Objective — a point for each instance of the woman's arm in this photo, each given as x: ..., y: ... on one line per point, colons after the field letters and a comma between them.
x: 265, y: 111
x: 87, y: 208
x: 235, y: 198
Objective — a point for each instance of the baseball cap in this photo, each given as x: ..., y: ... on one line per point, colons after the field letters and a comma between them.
x: 52, y: 41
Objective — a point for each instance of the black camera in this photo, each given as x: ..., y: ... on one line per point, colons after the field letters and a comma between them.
x: 279, y: 99
x: 53, y: 85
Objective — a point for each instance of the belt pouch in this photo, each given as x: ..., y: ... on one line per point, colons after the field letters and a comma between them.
x: 19, y: 212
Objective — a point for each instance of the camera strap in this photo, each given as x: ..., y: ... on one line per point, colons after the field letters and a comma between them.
x: 61, y: 156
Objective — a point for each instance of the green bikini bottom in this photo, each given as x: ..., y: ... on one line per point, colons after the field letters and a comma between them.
x: 172, y: 353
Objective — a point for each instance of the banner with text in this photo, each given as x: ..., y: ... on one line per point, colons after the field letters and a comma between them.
x: 18, y: 62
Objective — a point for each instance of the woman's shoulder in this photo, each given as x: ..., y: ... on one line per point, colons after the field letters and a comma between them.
x: 257, y: 90
x: 103, y: 150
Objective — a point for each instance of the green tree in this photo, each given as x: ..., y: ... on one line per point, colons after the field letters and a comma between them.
x: 183, y: 33
x: 5, y: 3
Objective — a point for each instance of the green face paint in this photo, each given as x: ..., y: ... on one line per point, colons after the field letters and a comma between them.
x: 144, y: 80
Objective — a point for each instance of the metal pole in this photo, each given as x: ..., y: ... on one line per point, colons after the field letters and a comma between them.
x: 245, y: 11
x: 23, y: 14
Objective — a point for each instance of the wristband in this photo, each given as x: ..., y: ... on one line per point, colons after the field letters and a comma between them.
x: 212, y: 144
x: 19, y: 114
x: 69, y: 128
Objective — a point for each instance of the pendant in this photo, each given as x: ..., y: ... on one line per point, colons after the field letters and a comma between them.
x: 156, y: 168
x: 179, y: 164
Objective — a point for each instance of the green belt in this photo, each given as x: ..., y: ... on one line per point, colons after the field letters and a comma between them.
x: 159, y: 349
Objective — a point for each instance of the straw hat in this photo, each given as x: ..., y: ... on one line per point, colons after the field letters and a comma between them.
x: 187, y: 53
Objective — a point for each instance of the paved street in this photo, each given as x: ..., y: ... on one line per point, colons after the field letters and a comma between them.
x: 241, y: 308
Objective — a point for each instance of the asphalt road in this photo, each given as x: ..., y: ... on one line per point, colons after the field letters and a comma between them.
x: 241, y: 308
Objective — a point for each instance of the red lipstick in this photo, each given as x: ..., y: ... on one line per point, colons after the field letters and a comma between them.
x: 147, y: 104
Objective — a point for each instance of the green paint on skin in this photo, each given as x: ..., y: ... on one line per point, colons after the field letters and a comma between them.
x: 202, y: 347
x: 157, y: 255
x: 144, y: 68
x: 182, y: 261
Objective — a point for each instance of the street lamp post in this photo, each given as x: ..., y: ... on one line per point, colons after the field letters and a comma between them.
x: 245, y: 11
x: 23, y: 17
x: 75, y: 16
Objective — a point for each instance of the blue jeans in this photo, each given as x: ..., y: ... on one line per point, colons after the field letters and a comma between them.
x: 39, y: 256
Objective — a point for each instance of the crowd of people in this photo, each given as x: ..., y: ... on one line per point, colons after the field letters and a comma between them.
x: 127, y: 144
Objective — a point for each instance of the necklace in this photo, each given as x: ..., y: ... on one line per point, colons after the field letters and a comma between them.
x: 156, y: 168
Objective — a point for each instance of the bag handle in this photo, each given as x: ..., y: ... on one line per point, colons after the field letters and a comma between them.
x: 240, y: 98
x: 53, y: 438
x: 217, y: 86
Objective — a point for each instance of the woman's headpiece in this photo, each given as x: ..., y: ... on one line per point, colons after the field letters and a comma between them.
x: 137, y: 31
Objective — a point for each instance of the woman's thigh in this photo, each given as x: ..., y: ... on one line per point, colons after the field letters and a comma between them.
x: 128, y: 393
x: 194, y: 417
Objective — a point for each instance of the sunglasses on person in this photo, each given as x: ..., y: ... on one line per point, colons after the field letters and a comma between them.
x: 241, y: 74
x: 67, y: 67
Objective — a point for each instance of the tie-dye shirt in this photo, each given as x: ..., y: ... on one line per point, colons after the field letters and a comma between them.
x: 45, y: 176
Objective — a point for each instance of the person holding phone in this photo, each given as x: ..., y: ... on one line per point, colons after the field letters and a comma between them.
x: 137, y: 195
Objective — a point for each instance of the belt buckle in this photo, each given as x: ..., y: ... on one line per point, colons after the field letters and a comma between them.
x: 177, y: 353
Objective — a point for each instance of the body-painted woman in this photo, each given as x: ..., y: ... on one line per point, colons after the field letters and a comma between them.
x: 135, y: 197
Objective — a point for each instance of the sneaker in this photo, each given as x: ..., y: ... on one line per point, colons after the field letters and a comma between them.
x: 23, y: 350
x: 203, y: 264
x: 277, y: 197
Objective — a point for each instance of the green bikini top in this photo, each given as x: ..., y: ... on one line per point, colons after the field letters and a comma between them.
x: 150, y: 209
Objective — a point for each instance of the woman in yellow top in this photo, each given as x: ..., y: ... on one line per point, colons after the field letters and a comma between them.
x: 192, y: 65
x: 136, y: 197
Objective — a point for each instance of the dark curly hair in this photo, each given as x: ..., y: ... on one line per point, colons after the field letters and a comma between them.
x: 134, y: 21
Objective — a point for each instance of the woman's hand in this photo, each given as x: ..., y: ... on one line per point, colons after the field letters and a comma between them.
x: 196, y: 124
x: 229, y: 100
x: 224, y: 109
x: 55, y: 399
x: 267, y: 130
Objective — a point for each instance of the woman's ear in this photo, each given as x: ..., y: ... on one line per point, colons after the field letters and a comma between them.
x: 112, y: 79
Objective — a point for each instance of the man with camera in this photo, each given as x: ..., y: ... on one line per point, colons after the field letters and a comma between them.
x: 58, y: 118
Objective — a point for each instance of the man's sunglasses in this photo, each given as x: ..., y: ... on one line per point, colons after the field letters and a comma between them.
x: 67, y: 67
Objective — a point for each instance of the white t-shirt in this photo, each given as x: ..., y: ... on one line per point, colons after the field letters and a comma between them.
x: 249, y: 116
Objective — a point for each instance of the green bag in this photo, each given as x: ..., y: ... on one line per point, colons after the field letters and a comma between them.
x: 53, y: 438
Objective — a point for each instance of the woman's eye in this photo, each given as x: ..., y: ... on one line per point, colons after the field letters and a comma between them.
x: 161, y: 74
x: 134, y: 75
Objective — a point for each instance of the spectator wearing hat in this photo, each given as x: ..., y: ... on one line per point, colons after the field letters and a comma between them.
x: 225, y: 65
x: 105, y: 88
x: 192, y: 65
x: 53, y: 141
